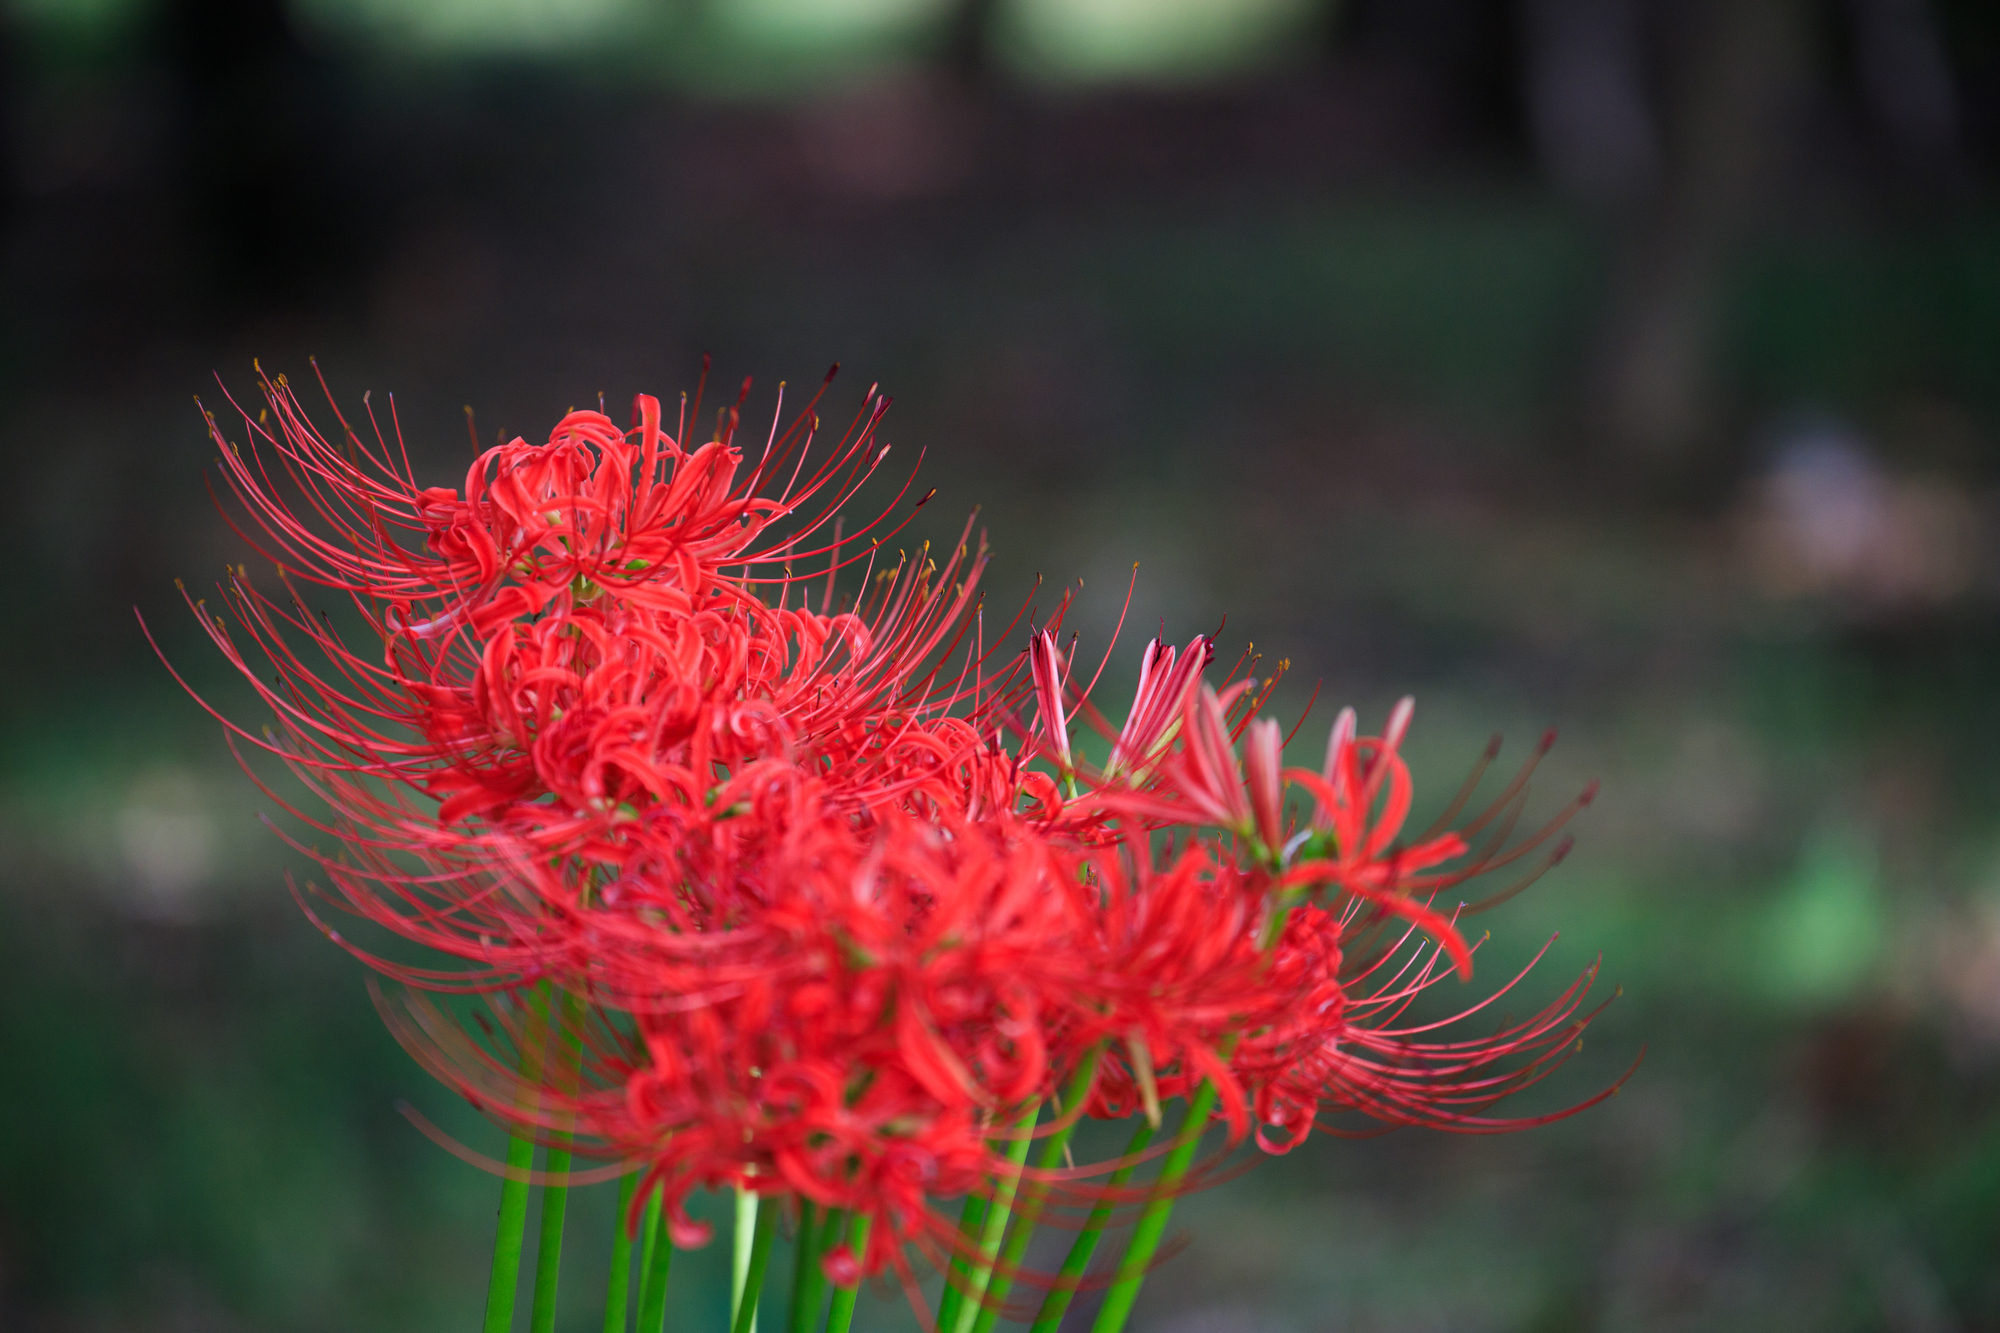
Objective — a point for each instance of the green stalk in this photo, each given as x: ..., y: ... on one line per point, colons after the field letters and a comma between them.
x: 829, y: 1235
x: 741, y: 1241
x: 745, y: 1318
x: 618, y: 1291
x: 840, y: 1317
x: 548, y: 1249
x: 805, y: 1311
x: 1056, y: 1303
x: 512, y: 1227
x: 995, y: 1225
x: 803, y: 1254
x: 1023, y: 1231
x: 555, y: 1198
x: 656, y: 1257
x: 959, y: 1272
x: 1152, y: 1227
x: 653, y: 1310
x: 508, y: 1234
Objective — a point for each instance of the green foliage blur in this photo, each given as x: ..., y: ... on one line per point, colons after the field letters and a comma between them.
x: 1284, y: 302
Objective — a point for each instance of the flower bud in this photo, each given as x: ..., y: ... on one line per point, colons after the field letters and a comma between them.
x: 1211, y: 780
x: 1262, y: 756
x: 1046, y: 665
x: 1338, y: 742
x: 842, y: 1269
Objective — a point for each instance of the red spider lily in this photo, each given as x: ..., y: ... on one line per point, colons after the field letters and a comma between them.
x: 582, y: 642
x: 852, y: 1041
x: 1173, y: 963
x: 1206, y: 776
x: 1320, y: 1038
x: 1200, y: 782
x: 1164, y: 681
x: 1177, y: 968
x: 1354, y: 1047
x: 831, y: 934
x: 1363, y: 798
x: 1261, y: 757
x: 553, y: 551
x: 1166, y: 678
x: 1046, y: 666
x: 633, y: 511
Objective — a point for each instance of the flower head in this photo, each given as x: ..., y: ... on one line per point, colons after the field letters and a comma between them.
x: 830, y: 916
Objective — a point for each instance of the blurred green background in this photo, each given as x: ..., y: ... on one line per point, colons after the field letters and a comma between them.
x: 1622, y: 365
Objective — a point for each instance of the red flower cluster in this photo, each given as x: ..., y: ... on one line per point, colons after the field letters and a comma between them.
x: 833, y: 890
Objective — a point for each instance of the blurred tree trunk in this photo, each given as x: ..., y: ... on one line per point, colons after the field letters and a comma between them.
x: 967, y: 53
x: 1589, y: 103
x: 1900, y: 58
x: 1728, y: 120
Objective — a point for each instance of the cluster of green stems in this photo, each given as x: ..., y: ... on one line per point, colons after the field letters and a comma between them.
x: 994, y: 1234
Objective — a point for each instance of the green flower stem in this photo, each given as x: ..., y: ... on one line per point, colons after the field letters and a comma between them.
x: 1023, y: 1230
x: 812, y: 1292
x: 649, y: 1235
x: 745, y: 1318
x: 995, y: 1226
x: 507, y: 1237
x: 741, y: 1242
x: 1152, y: 1227
x: 618, y: 1291
x: 512, y: 1227
x: 804, y: 1252
x: 548, y: 1249
x: 840, y: 1317
x: 656, y: 1257
x: 959, y: 1272
x: 555, y: 1198
x: 1056, y: 1303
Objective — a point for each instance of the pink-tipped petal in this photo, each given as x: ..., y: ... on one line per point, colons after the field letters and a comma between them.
x: 1262, y: 762
x: 1046, y: 664
x: 1165, y: 679
x: 1338, y: 742
x: 1215, y: 782
x: 1399, y: 723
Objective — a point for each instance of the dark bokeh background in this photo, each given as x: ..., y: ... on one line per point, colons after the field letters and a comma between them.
x: 1627, y: 365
